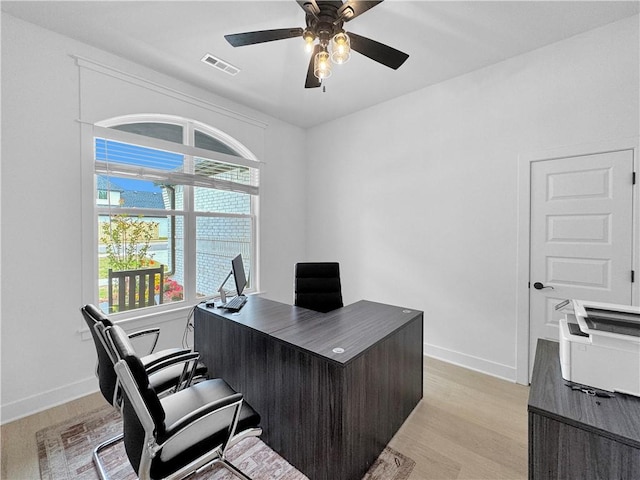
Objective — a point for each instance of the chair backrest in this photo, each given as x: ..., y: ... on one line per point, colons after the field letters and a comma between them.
x: 142, y: 413
x: 129, y: 289
x: 97, y: 323
x: 317, y: 286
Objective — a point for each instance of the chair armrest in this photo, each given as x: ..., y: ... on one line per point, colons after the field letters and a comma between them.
x: 148, y: 331
x: 192, y: 419
x: 190, y: 361
x: 169, y: 354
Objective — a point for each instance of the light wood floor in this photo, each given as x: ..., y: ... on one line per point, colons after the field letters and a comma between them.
x: 467, y: 426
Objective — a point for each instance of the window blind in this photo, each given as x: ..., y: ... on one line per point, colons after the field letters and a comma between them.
x: 126, y: 154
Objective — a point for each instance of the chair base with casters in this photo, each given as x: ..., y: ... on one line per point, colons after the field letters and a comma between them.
x: 183, y: 433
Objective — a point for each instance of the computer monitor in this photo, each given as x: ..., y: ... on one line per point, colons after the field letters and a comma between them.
x: 237, y: 267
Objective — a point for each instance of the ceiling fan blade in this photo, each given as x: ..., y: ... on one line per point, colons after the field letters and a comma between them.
x: 312, y: 81
x: 309, y: 6
x: 251, y: 38
x: 377, y: 51
x: 353, y: 8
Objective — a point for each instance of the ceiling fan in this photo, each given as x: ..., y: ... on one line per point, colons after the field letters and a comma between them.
x: 325, y: 20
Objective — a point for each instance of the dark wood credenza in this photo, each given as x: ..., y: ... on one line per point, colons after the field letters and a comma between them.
x: 576, y: 436
x: 331, y: 388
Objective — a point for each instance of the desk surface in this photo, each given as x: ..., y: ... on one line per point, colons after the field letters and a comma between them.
x: 353, y: 328
x: 262, y: 315
x: 617, y: 418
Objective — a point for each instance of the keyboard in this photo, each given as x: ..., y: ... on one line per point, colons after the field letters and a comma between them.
x: 235, y: 304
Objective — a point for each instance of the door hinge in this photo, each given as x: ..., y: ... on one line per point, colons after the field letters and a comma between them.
x: 633, y: 178
x: 633, y: 276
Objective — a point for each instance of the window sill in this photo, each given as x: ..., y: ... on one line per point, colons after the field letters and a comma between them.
x: 136, y: 320
x: 131, y: 321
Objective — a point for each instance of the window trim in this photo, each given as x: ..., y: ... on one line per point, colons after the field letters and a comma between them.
x: 90, y: 210
x: 245, y: 152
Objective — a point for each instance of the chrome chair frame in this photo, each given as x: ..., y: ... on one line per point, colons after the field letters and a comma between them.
x: 191, y: 421
x: 184, y: 380
x: 152, y: 447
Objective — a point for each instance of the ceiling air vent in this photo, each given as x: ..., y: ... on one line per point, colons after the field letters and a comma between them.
x: 220, y: 64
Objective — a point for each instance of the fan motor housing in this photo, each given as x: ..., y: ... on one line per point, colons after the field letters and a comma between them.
x: 326, y: 23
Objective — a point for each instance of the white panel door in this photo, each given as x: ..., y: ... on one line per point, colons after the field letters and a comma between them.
x: 581, y: 236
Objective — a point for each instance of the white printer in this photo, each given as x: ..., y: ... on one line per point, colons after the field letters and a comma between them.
x: 600, y: 346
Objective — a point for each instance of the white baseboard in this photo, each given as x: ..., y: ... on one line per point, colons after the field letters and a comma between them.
x: 58, y: 396
x: 49, y: 399
x: 477, y: 364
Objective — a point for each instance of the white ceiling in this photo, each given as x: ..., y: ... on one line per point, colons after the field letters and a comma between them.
x: 443, y: 38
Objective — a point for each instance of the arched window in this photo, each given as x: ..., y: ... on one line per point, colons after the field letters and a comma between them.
x: 176, y: 200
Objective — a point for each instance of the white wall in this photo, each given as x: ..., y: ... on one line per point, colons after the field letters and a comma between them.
x: 44, y: 359
x: 417, y: 197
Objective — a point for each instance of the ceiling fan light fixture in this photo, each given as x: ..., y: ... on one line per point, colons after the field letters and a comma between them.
x: 340, y: 48
x: 322, y: 65
x: 325, y: 40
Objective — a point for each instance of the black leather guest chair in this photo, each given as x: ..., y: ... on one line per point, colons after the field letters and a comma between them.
x: 166, y: 381
x: 177, y: 435
x: 317, y: 286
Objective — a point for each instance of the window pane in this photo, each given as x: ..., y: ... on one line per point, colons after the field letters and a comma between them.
x: 202, y: 140
x: 146, y: 248
x: 163, y: 131
x: 118, y: 192
x: 218, y: 241
x: 160, y: 183
x: 210, y: 200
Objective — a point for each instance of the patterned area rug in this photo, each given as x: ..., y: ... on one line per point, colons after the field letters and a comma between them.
x: 65, y: 452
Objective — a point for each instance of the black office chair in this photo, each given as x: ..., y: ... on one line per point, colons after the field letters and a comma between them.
x: 317, y: 286
x: 165, y: 381
x: 177, y: 435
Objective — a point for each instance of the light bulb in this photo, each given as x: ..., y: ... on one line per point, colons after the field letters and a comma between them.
x: 340, y: 48
x: 308, y: 47
x: 322, y: 65
x: 309, y: 37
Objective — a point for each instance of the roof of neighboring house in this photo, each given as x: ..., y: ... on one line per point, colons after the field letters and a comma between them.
x: 142, y: 199
x: 132, y: 198
x: 103, y: 183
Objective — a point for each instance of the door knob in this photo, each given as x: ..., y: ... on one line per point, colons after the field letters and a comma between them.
x: 540, y: 286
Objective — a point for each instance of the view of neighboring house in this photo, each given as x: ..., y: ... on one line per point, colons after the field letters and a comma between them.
x: 113, y: 193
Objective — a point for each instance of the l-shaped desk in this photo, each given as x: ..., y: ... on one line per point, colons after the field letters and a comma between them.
x: 331, y: 388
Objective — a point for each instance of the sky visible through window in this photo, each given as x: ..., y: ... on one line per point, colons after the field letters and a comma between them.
x: 125, y: 153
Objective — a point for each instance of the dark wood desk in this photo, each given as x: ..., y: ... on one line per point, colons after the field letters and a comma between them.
x: 576, y: 436
x: 329, y: 414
